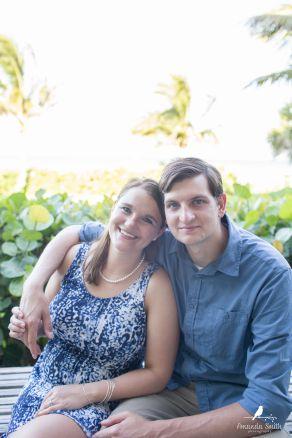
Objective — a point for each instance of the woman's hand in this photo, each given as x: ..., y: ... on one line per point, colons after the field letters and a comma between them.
x: 63, y: 397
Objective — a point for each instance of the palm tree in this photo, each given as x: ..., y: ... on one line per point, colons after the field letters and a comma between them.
x: 277, y: 26
x: 21, y: 95
x: 173, y: 123
x: 281, y: 138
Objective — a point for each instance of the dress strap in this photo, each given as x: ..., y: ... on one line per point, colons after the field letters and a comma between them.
x: 78, y: 261
x: 146, y: 275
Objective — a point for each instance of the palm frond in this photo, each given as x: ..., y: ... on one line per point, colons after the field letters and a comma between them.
x: 283, y: 75
x: 277, y: 24
x: 22, y: 95
x: 11, y: 61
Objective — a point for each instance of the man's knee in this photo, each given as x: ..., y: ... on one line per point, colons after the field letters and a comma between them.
x: 162, y: 406
x: 147, y: 406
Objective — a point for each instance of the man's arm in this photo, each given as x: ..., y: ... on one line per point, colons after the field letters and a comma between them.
x: 227, y: 422
x: 268, y: 363
x: 267, y: 369
x: 34, y: 303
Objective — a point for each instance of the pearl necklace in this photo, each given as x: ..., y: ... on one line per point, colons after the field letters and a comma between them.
x: 126, y: 276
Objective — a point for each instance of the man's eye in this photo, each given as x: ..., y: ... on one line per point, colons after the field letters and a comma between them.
x: 198, y: 201
x: 172, y: 205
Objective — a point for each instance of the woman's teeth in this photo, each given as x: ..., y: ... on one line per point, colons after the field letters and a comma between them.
x: 124, y: 233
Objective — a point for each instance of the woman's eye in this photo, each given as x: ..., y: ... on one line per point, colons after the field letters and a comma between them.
x: 148, y: 220
x: 126, y: 209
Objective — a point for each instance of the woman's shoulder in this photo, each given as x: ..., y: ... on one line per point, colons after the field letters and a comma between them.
x: 159, y: 276
x: 161, y: 272
x: 159, y: 290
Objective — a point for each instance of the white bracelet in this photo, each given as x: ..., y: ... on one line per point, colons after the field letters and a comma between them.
x: 89, y: 402
x: 109, y: 392
x: 106, y: 394
x: 112, y: 387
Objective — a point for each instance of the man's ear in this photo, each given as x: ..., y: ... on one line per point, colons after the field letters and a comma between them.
x: 221, y: 201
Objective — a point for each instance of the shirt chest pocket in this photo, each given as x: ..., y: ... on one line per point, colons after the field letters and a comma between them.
x: 219, y: 337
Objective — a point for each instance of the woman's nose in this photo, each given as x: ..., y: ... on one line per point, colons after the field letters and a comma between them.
x: 131, y: 220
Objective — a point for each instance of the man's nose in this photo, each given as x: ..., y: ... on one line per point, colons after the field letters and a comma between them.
x: 186, y: 215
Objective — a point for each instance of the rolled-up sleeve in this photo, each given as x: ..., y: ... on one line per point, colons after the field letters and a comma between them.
x: 268, y: 365
x: 90, y: 231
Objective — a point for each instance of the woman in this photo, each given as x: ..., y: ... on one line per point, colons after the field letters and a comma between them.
x: 100, y: 298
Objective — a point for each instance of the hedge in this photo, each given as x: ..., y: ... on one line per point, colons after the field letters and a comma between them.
x: 27, y: 225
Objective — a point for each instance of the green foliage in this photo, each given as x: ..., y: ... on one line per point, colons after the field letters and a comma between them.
x: 27, y: 225
x: 87, y: 185
x: 267, y: 215
x: 26, y: 228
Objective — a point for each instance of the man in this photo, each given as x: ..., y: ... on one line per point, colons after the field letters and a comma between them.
x: 233, y: 293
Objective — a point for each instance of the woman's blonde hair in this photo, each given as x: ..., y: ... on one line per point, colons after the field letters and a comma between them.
x: 99, y: 257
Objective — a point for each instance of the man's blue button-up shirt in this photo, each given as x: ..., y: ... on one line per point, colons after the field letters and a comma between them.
x: 235, y: 320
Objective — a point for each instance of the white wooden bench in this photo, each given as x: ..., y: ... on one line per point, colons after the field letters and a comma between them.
x: 11, y: 382
x: 13, y: 379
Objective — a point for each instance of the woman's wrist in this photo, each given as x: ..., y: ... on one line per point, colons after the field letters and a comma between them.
x: 96, y: 391
x: 33, y: 285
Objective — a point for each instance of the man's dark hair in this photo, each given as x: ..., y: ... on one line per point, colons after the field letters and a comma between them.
x: 183, y: 168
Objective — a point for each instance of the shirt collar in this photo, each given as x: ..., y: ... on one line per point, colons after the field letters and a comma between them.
x: 228, y: 262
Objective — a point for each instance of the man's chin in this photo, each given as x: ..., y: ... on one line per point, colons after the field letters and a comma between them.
x: 189, y: 240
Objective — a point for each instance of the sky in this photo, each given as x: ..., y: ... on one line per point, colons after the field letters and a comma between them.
x: 105, y: 58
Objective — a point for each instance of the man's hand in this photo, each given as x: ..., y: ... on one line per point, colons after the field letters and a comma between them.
x: 35, y: 308
x: 126, y: 425
x: 16, y: 326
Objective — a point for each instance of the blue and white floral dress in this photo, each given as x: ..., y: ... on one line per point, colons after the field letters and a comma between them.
x: 94, y: 339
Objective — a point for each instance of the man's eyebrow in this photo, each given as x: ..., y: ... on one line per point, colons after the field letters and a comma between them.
x: 169, y: 200
x: 199, y: 196
x: 192, y: 198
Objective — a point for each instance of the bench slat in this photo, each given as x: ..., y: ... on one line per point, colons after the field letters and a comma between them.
x: 10, y: 391
x: 13, y: 383
x: 7, y: 400
x: 8, y: 377
x: 13, y: 370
